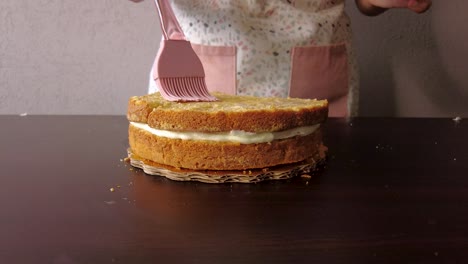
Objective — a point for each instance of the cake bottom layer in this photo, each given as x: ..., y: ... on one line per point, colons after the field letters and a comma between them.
x: 209, y: 155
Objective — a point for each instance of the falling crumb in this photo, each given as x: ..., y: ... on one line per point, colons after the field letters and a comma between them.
x: 454, y: 159
x: 23, y: 114
x: 126, y: 159
x: 436, y: 254
x: 250, y: 172
x: 110, y: 202
x: 131, y: 169
x: 244, y: 172
x: 457, y: 119
x: 124, y: 198
x: 306, y: 176
x: 112, y: 189
x: 307, y: 183
x: 118, y: 186
x: 264, y: 169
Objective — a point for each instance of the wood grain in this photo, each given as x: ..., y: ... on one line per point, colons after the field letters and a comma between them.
x: 393, y: 191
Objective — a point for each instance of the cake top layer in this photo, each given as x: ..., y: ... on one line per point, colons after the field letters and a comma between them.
x: 231, y: 112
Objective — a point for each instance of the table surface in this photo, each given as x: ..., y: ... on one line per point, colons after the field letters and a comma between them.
x: 393, y: 191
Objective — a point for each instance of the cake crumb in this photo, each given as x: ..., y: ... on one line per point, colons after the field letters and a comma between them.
x: 112, y: 189
x: 127, y: 159
x: 23, y: 114
x: 457, y: 119
x: 306, y: 176
x: 109, y: 202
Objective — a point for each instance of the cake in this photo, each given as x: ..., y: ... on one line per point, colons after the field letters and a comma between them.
x: 235, y: 133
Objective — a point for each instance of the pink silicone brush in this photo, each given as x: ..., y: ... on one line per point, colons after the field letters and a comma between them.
x: 178, y: 71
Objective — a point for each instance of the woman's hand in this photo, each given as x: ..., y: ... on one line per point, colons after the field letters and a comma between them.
x: 375, y: 7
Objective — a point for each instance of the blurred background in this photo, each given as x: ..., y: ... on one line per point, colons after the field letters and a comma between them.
x: 89, y: 57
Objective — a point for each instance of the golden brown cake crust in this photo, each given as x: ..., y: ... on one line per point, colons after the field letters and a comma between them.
x: 247, y: 113
x: 138, y: 110
x: 207, y: 155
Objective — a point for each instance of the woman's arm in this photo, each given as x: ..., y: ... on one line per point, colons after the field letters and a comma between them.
x: 376, y: 7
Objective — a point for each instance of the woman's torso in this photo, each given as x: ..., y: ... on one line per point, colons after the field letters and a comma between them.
x: 264, y: 47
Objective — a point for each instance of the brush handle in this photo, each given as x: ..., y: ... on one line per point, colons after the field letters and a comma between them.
x: 171, y: 29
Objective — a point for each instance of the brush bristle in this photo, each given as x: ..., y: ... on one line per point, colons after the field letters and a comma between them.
x: 186, y: 89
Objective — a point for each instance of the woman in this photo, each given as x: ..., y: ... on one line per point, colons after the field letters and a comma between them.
x: 297, y: 48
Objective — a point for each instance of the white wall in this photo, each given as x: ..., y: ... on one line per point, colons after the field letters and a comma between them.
x: 414, y: 65
x: 90, y: 56
x: 74, y: 57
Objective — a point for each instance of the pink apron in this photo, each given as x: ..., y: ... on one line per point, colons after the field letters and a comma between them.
x: 316, y: 72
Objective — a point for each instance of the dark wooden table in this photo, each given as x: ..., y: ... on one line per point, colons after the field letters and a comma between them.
x: 394, y: 191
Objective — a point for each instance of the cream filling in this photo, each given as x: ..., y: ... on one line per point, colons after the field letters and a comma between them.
x: 238, y: 136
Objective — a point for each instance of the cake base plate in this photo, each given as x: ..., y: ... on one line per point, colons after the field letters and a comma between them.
x: 230, y: 176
